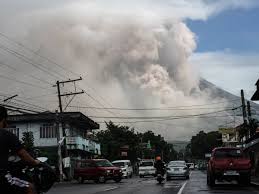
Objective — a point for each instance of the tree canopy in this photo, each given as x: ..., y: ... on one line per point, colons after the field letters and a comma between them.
x: 117, y: 136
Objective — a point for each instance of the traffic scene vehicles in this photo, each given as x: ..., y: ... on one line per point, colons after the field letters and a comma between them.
x: 125, y: 166
x: 99, y: 170
x: 177, y: 169
x: 146, y: 168
x: 228, y: 164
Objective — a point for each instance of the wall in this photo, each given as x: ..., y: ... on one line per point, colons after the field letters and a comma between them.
x: 35, y: 128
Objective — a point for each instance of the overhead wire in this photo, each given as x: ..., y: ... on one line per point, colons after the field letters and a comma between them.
x: 30, y: 61
x: 37, y: 54
x: 170, y: 116
x: 32, y: 76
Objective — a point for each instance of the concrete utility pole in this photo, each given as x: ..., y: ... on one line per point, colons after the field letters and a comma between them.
x: 243, y: 107
x: 59, y: 120
x: 59, y: 147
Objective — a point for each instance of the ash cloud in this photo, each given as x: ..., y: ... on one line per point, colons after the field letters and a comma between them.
x: 134, y: 60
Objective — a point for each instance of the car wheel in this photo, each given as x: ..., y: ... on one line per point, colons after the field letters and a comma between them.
x: 168, y: 178
x: 131, y: 174
x: 117, y: 180
x: 101, y: 179
x: 245, y: 180
x: 80, y: 180
x: 211, y: 180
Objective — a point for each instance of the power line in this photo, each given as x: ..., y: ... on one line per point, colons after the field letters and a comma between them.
x: 166, y: 119
x: 187, y: 107
x: 25, y: 104
x: 29, y: 61
x: 162, y: 117
x: 22, y: 82
x: 36, y: 53
x: 144, y: 109
x: 32, y: 76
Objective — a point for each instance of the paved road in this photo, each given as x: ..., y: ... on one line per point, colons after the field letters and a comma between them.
x: 196, y: 184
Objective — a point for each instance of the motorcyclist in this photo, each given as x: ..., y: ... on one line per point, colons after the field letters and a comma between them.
x: 160, y: 165
x: 10, y: 142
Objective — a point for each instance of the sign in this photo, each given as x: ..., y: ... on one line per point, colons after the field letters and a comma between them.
x: 66, y: 162
x: 124, y: 154
x: 229, y: 135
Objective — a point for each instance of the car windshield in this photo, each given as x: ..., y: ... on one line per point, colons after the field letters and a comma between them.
x: 103, y: 163
x: 119, y: 164
x: 228, y: 153
x: 177, y: 163
x: 146, y: 164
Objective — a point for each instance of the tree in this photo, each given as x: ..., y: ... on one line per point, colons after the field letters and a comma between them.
x: 117, y: 136
x: 203, y: 143
x: 28, y: 141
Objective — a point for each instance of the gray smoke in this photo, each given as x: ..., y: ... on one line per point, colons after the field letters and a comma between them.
x: 133, y: 59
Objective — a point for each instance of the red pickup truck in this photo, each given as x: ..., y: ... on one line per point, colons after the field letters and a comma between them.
x: 228, y: 164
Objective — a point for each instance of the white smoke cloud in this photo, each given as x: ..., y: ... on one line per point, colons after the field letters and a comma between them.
x: 138, y: 59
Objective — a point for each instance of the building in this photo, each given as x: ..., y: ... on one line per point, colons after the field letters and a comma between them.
x: 256, y: 94
x: 77, y: 128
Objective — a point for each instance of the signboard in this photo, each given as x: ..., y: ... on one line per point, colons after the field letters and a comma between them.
x: 229, y: 135
x: 124, y: 154
x: 66, y: 162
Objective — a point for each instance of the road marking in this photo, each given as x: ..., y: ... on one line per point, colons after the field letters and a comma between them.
x: 110, y: 189
x: 182, y: 188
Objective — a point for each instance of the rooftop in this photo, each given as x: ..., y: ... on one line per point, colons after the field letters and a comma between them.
x: 74, y: 118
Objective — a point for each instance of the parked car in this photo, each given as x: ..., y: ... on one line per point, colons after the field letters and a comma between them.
x: 177, y: 169
x: 191, y: 166
x: 125, y: 166
x: 99, y: 170
x: 228, y: 164
x: 146, y: 168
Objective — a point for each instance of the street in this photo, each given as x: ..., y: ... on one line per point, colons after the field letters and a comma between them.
x: 196, y: 184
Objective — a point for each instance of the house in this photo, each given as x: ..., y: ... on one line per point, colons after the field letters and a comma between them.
x: 256, y: 94
x: 77, y: 128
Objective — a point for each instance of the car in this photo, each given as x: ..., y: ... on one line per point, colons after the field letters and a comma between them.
x: 146, y: 168
x: 125, y: 166
x: 177, y: 169
x: 228, y: 163
x: 191, y: 166
x: 99, y: 170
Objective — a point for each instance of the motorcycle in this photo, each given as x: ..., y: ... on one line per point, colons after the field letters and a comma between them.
x: 42, y: 177
x: 160, y: 178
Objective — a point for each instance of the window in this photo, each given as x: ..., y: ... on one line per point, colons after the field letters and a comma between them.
x: 228, y: 153
x: 48, y: 131
x: 14, y: 130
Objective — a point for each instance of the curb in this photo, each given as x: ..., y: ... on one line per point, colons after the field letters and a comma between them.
x: 256, y: 184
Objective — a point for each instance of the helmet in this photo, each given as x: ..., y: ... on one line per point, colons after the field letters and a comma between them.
x: 158, y: 158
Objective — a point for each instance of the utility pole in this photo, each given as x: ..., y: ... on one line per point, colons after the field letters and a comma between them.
x: 62, y: 133
x: 59, y: 147
x: 10, y: 98
x: 244, y: 112
x: 249, y: 110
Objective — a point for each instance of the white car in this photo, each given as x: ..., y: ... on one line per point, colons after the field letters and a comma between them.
x: 146, y: 168
x: 125, y: 166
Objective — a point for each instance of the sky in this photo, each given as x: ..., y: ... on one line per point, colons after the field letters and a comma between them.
x: 132, y: 54
x: 227, y: 40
